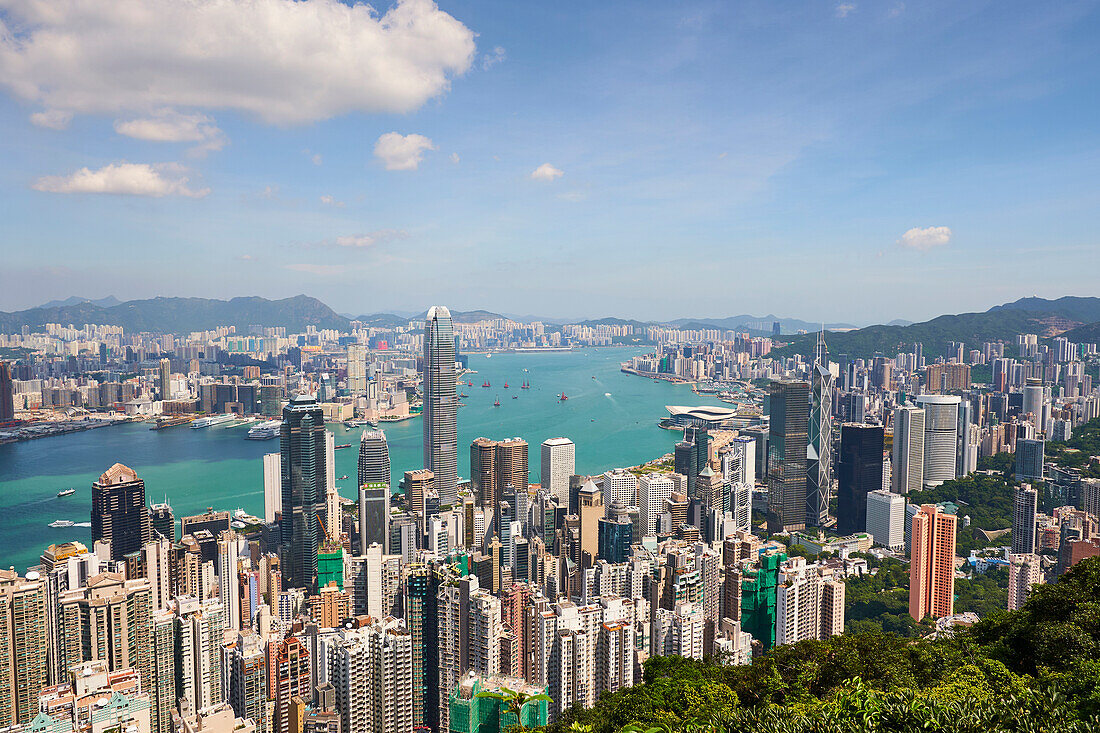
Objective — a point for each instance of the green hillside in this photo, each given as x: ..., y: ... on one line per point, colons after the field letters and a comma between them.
x: 182, y: 315
x: 1035, y: 669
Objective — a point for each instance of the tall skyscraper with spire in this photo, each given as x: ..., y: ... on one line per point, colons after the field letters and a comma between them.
x: 440, y: 404
x: 304, y: 478
x: 819, y: 455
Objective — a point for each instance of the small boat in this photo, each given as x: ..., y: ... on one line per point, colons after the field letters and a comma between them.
x: 343, y: 478
x: 505, y: 385
x: 593, y: 376
x: 562, y: 398
x: 486, y: 384
x: 66, y: 492
x: 497, y: 403
x: 525, y: 385
x: 469, y: 384
x: 515, y: 397
x: 342, y: 445
x: 60, y: 523
x: 463, y: 394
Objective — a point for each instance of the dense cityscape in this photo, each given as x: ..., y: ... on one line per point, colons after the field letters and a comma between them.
x: 449, y: 603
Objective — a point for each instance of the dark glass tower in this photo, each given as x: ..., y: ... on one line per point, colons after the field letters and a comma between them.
x: 302, y: 445
x: 164, y: 522
x: 860, y: 472
x: 374, y: 490
x: 787, y: 443
x: 440, y: 404
x: 119, y: 514
x: 7, y: 396
x: 691, y: 456
x: 421, y: 587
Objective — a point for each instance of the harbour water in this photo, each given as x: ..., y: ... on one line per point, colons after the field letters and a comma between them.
x: 611, y: 416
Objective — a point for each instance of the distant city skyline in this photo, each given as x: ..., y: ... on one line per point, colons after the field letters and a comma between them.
x: 647, y: 159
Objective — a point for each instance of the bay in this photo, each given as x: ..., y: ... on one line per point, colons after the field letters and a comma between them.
x: 611, y: 416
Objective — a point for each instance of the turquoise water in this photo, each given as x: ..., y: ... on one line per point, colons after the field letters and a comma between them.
x: 612, y: 419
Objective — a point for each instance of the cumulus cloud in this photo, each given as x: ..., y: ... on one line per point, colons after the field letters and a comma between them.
x: 131, y: 179
x: 401, y: 152
x: 284, y: 61
x: 455, y: 158
x: 316, y: 159
x: 845, y: 9
x: 925, y: 239
x: 332, y: 201
x: 546, y: 172
x: 170, y: 126
x: 51, y: 119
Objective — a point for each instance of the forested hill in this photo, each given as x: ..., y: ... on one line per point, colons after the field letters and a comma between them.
x: 1035, y: 669
x: 183, y: 315
x: 999, y: 323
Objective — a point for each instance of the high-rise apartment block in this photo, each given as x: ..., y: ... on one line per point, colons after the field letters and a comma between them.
x: 1024, y: 571
x: 886, y: 519
x: 932, y: 564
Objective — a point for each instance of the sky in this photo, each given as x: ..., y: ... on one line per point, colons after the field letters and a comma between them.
x: 853, y: 161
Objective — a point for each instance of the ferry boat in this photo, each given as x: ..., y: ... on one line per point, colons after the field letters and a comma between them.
x: 562, y: 398
x: 59, y: 523
x: 265, y: 430
x: 207, y: 422
x: 341, y: 445
x: 66, y: 492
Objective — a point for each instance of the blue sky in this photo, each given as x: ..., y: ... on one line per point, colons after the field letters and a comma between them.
x: 856, y: 161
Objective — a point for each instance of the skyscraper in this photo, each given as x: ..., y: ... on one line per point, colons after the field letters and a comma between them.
x: 7, y: 393
x: 273, y: 486
x: 374, y: 457
x: 303, y: 459
x: 787, y: 451
x: 440, y: 413
x: 860, y: 472
x: 421, y: 587
x: 653, y: 490
x: 22, y: 646
x: 199, y: 630
x: 1024, y: 571
x: 163, y: 521
x: 119, y: 514
x: 932, y: 564
x: 908, y: 463
x: 1025, y: 505
x: 941, y: 426
x: 819, y: 452
x: 164, y: 381
x: 1034, y: 397
x: 886, y: 519
x: 357, y: 370
x: 558, y: 464
x: 1029, y: 459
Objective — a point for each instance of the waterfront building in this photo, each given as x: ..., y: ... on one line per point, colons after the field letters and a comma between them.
x: 859, y: 473
x: 7, y: 393
x: 119, y: 513
x: 886, y: 519
x: 787, y: 450
x: 164, y: 381
x: 273, y: 486
x: 941, y: 426
x: 302, y: 445
x: 1025, y: 507
x: 908, y: 462
x: 932, y: 564
x: 558, y: 464
x: 440, y: 413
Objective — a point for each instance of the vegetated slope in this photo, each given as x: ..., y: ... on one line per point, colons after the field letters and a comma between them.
x: 182, y: 315
x: 1034, y: 669
x: 1083, y: 310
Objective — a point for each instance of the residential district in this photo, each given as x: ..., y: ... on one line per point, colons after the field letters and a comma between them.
x: 477, y: 604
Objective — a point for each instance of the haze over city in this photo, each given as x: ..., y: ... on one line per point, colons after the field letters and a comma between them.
x: 841, y: 161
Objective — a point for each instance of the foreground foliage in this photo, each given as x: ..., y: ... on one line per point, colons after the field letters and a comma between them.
x: 1036, y: 669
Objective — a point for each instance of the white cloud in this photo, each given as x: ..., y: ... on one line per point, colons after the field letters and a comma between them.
x: 316, y: 159
x: 897, y: 10
x: 51, y: 119
x: 494, y: 57
x: 845, y: 9
x: 170, y: 126
x: 926, y: 238
x: 284, y: 61
x: 455, y: 158
x: 361, y: 241
x: 401, y: 152
x: 546, y: 172
x: 332, y: 201
x: 132, y: 179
